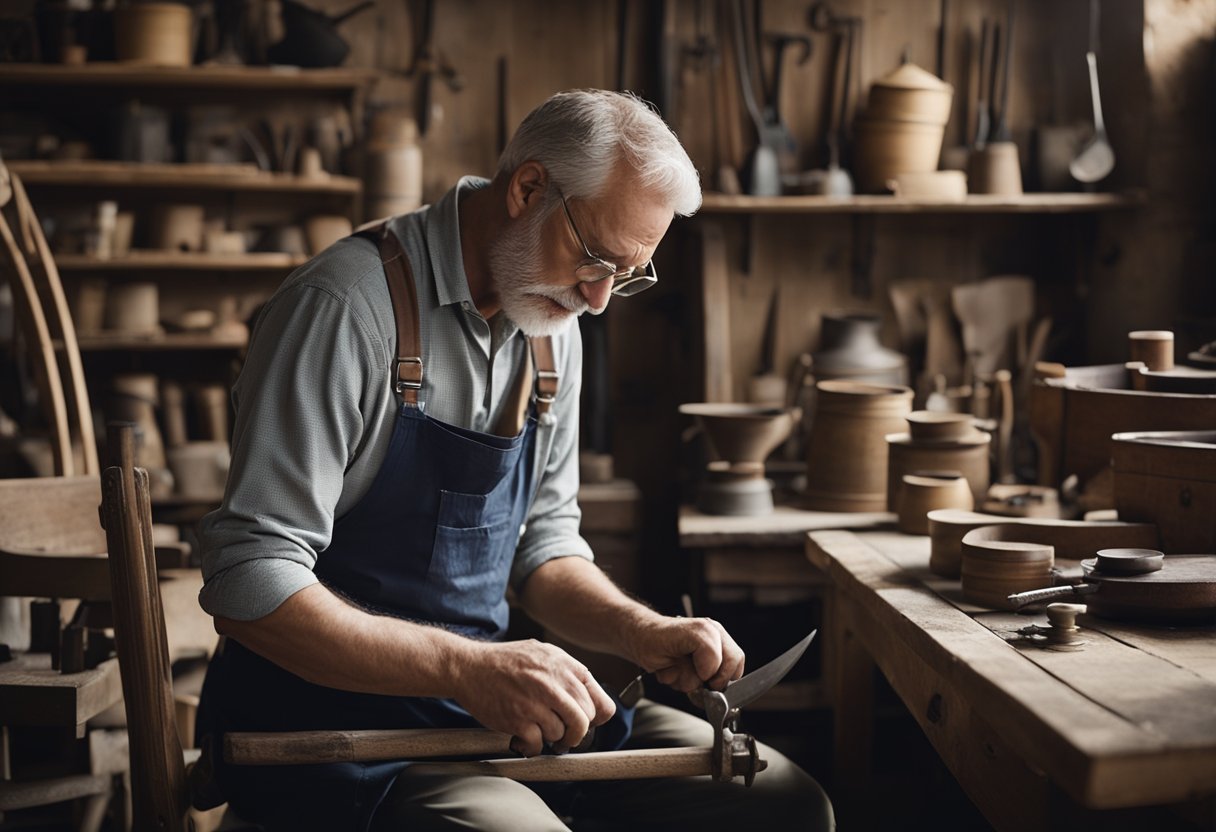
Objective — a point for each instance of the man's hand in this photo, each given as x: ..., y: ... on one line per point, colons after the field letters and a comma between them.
x: 534, y: 691
x: 686, y: 653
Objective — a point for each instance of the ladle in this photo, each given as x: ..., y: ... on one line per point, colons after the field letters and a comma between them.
x: 1096, y: 159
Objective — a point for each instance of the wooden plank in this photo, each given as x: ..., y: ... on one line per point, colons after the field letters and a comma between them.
x: 271, y: 261
x: 103, y: 174
x: 186, y: 341
x: 1188, y: 647
x: 786, y: 526
x: 1155, y: 694
x: 279, y: 79
x: 1030, y: 203
x: 33, y: 694
x: 1092, y: 753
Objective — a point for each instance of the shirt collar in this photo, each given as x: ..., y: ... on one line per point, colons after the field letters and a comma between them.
x: 443, y: 243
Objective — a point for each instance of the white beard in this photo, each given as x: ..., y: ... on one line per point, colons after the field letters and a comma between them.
x: 526, y: 297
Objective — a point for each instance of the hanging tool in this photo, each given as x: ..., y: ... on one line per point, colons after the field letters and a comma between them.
x: 731, y: 755
x: 835, y: 181
x: 982, y: 123
x: 1001, y: 133
x: 427, y: 63
x: 784, y: 143
x: 765, y: 174
x: 1097, y: 159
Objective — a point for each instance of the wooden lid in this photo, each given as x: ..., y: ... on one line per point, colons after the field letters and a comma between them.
x: 909, y: 76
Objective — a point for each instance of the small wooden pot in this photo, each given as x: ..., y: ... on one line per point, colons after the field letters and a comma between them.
x: 178, y: 228
x: 154, y: 34
x: 910, y: 94
x: 1153, y: 347
x: 847, y: 450
x: 995, y: 169
x: 934, y: 186
x: 133, y: 308
x: 926, y: 491
x: 885, y: 149
x: 968, y: 456
x: 200, y: 469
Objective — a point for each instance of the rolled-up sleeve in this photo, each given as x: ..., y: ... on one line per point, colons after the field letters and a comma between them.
x: 553, y: 522
x: 302, y: 395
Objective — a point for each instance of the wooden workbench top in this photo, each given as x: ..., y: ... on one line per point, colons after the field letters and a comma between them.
x: 1128, y: 720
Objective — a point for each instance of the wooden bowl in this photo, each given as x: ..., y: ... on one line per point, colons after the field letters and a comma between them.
x: 743, y: 432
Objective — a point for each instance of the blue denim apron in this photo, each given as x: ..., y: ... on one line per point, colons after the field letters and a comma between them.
x: 432, y: 541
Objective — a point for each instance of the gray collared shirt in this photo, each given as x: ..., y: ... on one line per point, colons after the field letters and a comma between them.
x: 315, y: 411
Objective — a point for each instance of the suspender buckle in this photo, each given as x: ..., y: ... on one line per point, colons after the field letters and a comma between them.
x: 408, y: 371
x: 546, y: 386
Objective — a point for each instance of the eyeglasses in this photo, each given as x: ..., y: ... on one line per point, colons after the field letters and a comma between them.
x: 625, y: 282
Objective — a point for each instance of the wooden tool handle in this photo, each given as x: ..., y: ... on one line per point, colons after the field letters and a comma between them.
x: 304, y: 747
x: 632, y: 764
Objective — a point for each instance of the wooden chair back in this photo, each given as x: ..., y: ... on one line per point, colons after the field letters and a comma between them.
x: 42, y: 312
x: 160, y: 793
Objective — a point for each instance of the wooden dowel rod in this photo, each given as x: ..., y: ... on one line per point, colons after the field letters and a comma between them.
x: 633, y: 764
x: 305, y: 747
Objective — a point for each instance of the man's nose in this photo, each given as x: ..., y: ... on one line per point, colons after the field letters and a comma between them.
x: 597, y: 294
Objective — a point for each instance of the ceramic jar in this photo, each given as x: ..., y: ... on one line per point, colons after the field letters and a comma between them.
x: 847, y: 450
x: 850, y: 349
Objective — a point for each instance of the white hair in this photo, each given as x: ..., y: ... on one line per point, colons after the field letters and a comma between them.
x: 580, y: 135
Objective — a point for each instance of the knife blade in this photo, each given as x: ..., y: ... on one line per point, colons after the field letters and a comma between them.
x: 755, y: 684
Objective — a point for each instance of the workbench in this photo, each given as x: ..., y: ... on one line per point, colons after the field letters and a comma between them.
x: 1128, y: 720
x: 750, y: 573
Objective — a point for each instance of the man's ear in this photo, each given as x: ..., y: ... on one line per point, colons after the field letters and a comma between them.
x: 526, y: 188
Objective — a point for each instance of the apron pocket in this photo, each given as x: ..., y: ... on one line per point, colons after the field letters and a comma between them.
x: 468, y: 511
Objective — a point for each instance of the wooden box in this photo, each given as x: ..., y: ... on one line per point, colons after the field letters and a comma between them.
x: 1169, y: 478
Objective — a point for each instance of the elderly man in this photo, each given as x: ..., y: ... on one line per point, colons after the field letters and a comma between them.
x: 404, y: 450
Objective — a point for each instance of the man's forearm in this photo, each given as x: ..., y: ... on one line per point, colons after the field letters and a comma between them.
x: 321, y: 638
x: 574, y: 598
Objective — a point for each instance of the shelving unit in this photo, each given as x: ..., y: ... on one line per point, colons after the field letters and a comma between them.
x: 154, y: 261
x: 219, y: 78
x: 175, y: 341
x: 1030, y: 203
x: 81, y: 101
x: 128, y: 175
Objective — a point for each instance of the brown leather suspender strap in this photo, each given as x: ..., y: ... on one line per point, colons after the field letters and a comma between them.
x: 547, y: 378
x: 407, y: 366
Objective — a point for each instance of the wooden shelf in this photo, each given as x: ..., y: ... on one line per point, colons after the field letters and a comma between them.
x: 269, y: 261
x: 1035, y: 203
x: 219, y: 78
x: 179, y: 341
x: 245, y: 178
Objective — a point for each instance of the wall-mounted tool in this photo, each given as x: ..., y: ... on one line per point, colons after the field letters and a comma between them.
x: 310, y: 38
x: 427, y: 63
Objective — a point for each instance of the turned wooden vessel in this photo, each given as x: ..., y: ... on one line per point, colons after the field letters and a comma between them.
x: 847, y: 450
x: 939, y: 442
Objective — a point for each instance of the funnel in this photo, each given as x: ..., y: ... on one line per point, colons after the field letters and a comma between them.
x: 743, y: 432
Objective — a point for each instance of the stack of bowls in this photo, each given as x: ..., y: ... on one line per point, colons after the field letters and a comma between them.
x: 992, y: 570
x: 903, y: 126
x: 938, y: 441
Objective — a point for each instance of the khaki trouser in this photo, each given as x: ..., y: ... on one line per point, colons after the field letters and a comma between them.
x: 783, y: 797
